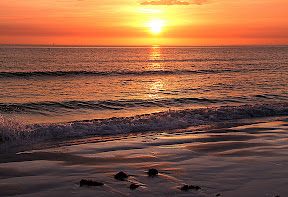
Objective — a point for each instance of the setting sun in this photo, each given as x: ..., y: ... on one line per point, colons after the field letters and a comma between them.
x: 156, y: 26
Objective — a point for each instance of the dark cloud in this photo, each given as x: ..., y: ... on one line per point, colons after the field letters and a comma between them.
x: 173, y: 2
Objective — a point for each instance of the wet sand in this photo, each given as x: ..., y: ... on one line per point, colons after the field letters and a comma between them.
x: 248, y: 160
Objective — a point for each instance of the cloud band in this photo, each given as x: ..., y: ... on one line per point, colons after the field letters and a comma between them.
x: 173, y: 2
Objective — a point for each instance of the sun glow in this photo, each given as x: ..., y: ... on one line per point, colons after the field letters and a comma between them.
x: 156, y: 26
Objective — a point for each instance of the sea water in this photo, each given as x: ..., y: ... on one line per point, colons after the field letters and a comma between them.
x: 52, y: 92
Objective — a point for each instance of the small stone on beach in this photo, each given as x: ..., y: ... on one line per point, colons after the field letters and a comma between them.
x: 89, y: 182
x: 121, y: 176
x: 187, y: 187
x: 152, y: 172
x: 133, y: 186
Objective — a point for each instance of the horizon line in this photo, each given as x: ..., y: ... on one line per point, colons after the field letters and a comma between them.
x: 154, y: 45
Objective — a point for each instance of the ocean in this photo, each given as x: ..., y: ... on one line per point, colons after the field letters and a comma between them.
x: 63, y: 92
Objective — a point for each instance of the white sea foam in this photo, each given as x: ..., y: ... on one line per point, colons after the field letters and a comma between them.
x: 15, y: 132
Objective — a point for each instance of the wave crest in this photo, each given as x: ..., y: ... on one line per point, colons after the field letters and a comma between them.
x: 11, y: 131
x: 115, y: 73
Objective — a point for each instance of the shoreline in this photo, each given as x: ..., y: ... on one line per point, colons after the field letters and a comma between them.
x: 15, y: 147
x: 15, y: 134
x: 241, y: 160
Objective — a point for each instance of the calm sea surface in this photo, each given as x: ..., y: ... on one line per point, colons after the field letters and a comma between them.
x: 50, y: 84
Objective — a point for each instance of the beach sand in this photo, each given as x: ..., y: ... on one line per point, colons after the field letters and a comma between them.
x: 246, y: 160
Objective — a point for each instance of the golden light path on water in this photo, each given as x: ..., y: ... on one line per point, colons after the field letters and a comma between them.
x: 155, y: 86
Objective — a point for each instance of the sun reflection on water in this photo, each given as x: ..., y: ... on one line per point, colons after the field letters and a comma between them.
x: 155, y: 59
x: 155, y: 85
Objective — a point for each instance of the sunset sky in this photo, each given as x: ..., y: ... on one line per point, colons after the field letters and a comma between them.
x: 141, y: 22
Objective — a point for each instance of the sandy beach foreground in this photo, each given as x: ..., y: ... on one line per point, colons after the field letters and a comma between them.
x: 247, y: 160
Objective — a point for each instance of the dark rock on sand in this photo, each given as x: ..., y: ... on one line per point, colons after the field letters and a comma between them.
x: 187, y: 187
x: 152, y: 172
x: 133, y: 186
x: 218, y: 195
x: 121, y: 176
x: 89, y: 182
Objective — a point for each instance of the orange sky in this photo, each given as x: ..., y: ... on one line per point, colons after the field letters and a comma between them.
x: 127, y: 22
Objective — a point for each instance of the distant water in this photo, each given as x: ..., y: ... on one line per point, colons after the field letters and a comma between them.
x: 59, y: 91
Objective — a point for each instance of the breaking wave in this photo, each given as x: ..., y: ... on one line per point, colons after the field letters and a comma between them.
x: 64, y: 106
x: 11, y: 131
